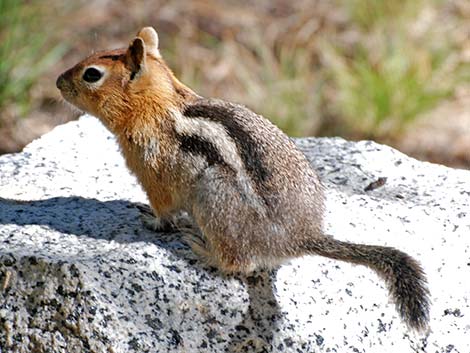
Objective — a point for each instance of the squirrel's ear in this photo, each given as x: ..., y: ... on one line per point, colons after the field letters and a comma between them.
x: 135, y: 56
x: 150, y: 38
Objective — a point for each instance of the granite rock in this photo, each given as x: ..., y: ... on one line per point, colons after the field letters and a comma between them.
x: 79, y: 272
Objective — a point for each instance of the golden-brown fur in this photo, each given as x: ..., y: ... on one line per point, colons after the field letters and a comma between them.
x: 136, y: 113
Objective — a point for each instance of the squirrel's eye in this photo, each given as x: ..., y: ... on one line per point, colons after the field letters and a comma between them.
x: 92, y: 75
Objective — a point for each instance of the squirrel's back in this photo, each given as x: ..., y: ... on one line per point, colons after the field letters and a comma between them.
x: 279, y: 172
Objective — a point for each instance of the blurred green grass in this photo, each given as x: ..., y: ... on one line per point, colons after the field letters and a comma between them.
x: 393, y: 75
x: 357, y: 68
x: 368, y: 14
x: 26, y: 52
x: 379, y: 94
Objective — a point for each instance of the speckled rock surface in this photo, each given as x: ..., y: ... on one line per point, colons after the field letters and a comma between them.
x: 79, y: 272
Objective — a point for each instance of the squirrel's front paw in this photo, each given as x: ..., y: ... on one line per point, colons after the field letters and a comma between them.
x: 153, y: 223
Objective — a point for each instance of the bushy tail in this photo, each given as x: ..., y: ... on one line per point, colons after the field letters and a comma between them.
x: 403, y: 275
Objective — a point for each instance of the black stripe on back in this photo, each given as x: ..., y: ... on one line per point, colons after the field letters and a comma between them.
x: 251, y: 155
x: 197, y: 145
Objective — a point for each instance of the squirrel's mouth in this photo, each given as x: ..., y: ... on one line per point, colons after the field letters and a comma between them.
x: 69, y: 93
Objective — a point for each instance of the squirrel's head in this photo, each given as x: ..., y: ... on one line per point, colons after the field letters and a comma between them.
x: 117, y: 85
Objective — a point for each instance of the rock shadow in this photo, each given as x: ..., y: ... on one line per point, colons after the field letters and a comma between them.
x: 261, y: 322
x: 116, y: 220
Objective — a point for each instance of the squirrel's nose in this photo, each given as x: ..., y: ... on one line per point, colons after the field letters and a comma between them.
x: 60, y: 82
x: 64, y: 80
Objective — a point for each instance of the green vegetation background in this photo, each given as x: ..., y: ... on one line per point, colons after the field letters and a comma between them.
x: 355, y: 68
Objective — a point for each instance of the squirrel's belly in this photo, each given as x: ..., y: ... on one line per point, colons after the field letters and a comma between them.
x: 157, y: 185
x: 158, y: 191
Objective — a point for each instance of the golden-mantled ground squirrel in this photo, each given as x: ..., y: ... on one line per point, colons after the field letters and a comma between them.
x: 250, y: 191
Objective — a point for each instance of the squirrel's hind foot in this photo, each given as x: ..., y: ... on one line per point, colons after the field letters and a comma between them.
x: 199, y: 247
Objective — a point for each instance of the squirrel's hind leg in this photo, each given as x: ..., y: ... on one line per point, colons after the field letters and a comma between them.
x: 226, y: 261
x: 231, y: 217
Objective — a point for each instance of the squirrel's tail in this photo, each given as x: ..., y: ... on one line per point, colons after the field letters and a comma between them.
x: 403, y: 275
